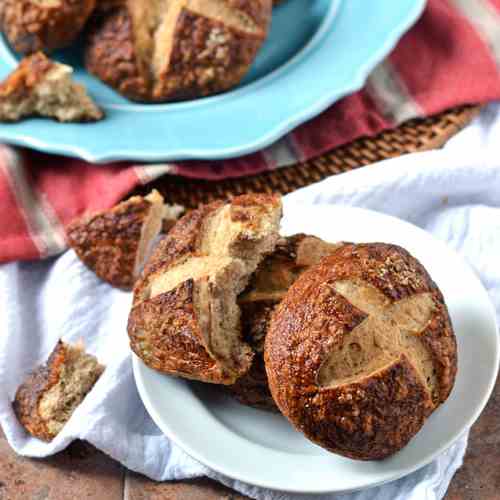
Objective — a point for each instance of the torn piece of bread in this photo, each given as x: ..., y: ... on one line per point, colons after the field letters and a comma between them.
x: 164, y: 50
x: 115, y: 243
x: 185, y: 319
x: 47, y: 399
x: 268, y: 285
x: 32, y: 25
x: 41, y: 87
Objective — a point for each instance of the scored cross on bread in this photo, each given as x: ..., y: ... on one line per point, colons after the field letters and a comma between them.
x: 185, y: 318
x: 361, y: 351
x: 390, y: 331
x: 160, y: 50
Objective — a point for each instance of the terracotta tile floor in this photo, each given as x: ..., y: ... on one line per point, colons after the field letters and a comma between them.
x: 83, y: 472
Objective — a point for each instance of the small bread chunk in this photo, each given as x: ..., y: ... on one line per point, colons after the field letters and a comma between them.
x: 41, y: 87
x: 47, y: 399
x: 32, y: 25
x: 115, y: 243
x: 267, y: 287
x: 185, y: 319
x: 361, y: 351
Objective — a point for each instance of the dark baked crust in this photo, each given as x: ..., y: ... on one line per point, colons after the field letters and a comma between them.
x: 107, y: 242
x: 198, y: 65
x: 170, y: 331
x: 175, y: 343
x: 110, y: 55
x: 376, y: 415
x: 107, y: 5
x: 207, y: 55
x: 31, y: 27
x: 29, y: 393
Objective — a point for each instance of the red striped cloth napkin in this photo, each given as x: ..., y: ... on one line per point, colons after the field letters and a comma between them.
x: 450, y: 57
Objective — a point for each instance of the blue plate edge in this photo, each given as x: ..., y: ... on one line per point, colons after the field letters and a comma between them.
x: 262, y: 142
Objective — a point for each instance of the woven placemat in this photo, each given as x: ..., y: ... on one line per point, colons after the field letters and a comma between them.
x: 415, y: 135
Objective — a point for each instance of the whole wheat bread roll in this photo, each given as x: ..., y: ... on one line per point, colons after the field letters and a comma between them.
x: 361, y: 351
x: 163, y: 50
x: 185, y: 318
x: 32, y: 25
x: 268, y: 285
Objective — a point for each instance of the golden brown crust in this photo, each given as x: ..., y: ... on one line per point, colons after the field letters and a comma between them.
x: 107, y: 242
x: 31, y: 27
x: 376, y: 414
x: 30, y: 73
x: 207, y: 56
x: 172, y: 330
x: 29, y: 393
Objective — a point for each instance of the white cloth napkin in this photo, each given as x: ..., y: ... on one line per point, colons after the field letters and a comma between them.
x: 454, y: 193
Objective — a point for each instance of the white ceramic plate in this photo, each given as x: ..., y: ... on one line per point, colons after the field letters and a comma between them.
x: 263, y: 449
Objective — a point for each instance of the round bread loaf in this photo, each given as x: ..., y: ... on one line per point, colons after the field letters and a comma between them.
x: 33, y: 25
x: 185, y: 318
x: 155, y: 51
x: 361, y: 351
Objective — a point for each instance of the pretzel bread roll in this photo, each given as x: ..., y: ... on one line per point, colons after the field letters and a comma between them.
x: 157, y: 51
x: 361, y: 351
x: 185, y: 318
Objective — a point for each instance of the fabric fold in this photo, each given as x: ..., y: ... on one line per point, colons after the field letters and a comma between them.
x: 453, y: 193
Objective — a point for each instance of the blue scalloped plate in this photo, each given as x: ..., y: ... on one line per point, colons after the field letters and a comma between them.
x: 318, y: 51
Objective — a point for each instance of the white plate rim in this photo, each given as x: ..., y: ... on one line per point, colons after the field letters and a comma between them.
x: 139, y: 367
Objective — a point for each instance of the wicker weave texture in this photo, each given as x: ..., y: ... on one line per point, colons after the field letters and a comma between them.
x: 415, y: 135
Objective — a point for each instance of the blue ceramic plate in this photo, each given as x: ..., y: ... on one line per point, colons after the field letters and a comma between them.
x: 318, y: 51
